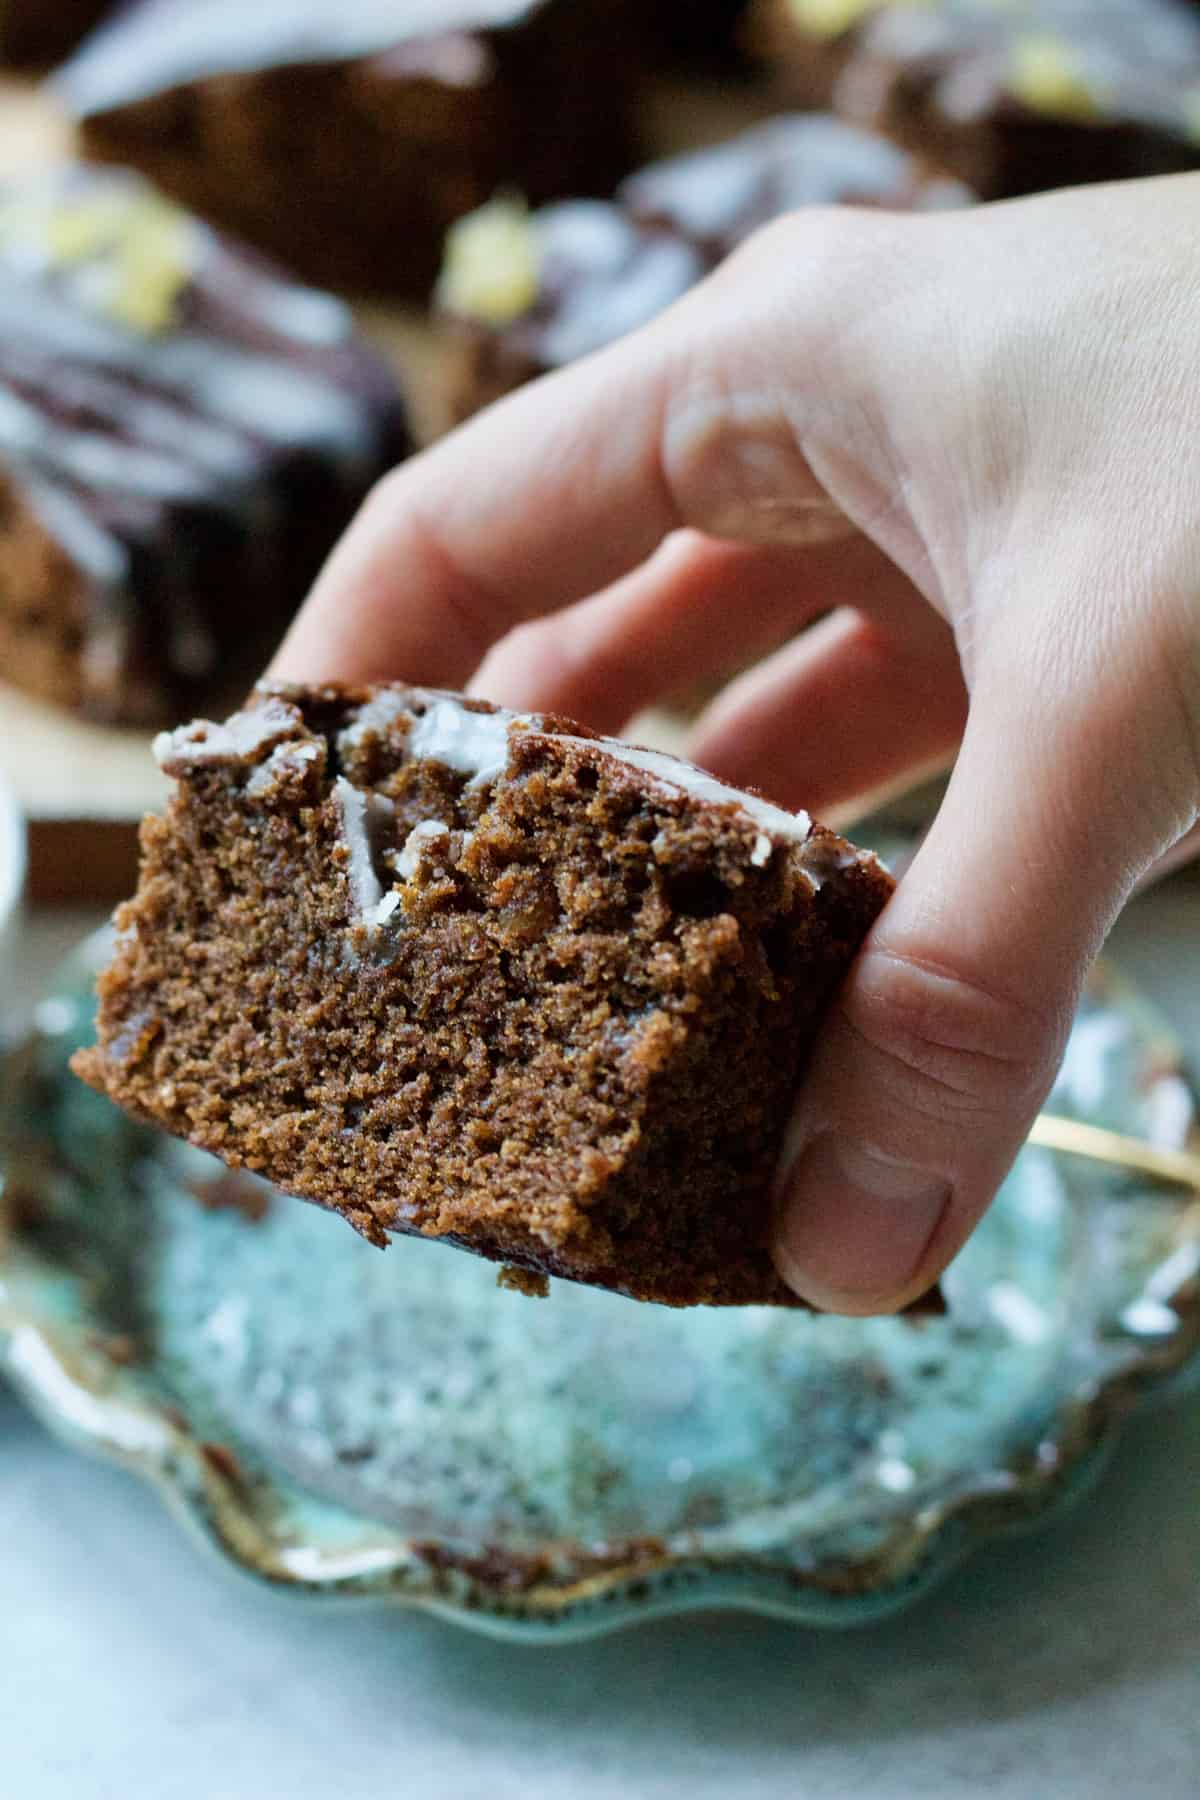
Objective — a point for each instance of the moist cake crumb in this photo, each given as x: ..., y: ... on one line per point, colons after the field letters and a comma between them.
x: 482, y: 976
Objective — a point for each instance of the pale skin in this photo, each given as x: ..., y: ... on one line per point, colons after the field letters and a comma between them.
x: 977, y: 437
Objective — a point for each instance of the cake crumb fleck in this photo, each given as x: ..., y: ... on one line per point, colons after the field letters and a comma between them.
x: 524, y: 1281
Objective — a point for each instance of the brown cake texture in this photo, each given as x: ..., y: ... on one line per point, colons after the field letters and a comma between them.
x: 1014, y: 96
x: 344, y: 137
x: 485, y: 977
x: 184, y: 432
x: 35, y: 34
x: 522, y: 293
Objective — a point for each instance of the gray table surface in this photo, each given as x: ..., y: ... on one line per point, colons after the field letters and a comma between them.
x: 133, y: 1668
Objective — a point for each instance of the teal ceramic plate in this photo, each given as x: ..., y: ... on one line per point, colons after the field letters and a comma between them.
x: 396, y: 1426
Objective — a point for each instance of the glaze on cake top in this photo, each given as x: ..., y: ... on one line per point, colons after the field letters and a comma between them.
x: 164, y: 44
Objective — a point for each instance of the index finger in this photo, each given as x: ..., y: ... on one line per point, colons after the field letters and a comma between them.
x: 539, y: 501
x: 569, y: 484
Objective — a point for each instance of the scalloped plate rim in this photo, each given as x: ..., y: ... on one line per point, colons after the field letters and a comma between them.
x: 594, y: 1605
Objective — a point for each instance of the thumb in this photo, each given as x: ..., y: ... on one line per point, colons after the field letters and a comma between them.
x: 946, y: 1037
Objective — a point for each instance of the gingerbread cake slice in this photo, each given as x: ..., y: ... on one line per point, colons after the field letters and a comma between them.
x: 484, y: 977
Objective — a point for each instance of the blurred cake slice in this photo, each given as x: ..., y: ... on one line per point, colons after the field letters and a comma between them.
x: 184, y: 432
x: 344, y: 136
x: 523, y: 293
x: 1015, y: 96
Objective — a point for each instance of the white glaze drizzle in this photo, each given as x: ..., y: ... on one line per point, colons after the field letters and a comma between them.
x: 221, y: 379
x: 239, y: 740
x: 477, y: 744
x: 265, y: 394
x: 116, y: 403
x: 628, y: 276
x: 150, y: 49
x: 474, y: 744
x: 361, y: 814
x: 673, y: 772
x: 378, y: 715
x: 408, y: 859
x: 286, y: 759
x: 302, y: 313
x: 92, y: 549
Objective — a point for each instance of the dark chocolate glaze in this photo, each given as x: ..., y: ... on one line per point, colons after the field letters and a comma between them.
x: 194, y: 464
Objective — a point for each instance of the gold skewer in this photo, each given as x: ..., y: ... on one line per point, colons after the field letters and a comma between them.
x: 1182, y: 1167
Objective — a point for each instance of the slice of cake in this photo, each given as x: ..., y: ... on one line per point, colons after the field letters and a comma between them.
x: 344, y: 136
x: 1016, y: 96
x: 522, y: 293
x: 482, y: 976
x: 184, y: 432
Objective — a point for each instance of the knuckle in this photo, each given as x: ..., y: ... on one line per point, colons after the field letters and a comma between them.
x: 730, y: 460
x: 949, y: 1047
x: 827, y: 246
x: 749, y: 453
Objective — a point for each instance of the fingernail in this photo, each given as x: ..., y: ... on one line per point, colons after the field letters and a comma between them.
x: 854, y: 1225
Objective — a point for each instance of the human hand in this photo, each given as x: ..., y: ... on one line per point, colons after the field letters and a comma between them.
x: 976, y: 436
